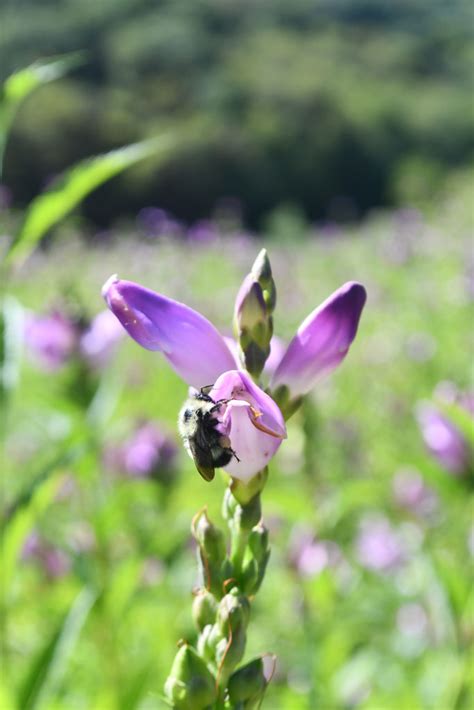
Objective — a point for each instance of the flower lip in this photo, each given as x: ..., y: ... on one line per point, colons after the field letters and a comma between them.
x: 251, y: 420
x: 238, y: 388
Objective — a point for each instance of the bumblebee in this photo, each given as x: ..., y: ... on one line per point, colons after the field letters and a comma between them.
x: 208, y: 447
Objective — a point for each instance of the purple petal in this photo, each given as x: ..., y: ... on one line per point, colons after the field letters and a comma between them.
x: 322, y: 340
x: 252, y: 421
x: 51, y: 339
x: 191, y: 344
x: 99, y: 342
x: 277, y: 350
x: 444, y: 440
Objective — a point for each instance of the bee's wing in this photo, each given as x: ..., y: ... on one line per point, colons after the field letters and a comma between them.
x: 202, y: 459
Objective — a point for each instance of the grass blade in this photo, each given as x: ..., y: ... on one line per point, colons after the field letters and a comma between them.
x: 49, y: 667
x: 49, y: 208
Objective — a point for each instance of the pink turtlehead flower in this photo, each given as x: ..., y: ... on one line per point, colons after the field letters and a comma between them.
x: 251, y: 420
x: 201, y: 356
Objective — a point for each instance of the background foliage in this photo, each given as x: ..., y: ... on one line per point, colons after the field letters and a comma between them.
x: 333, y: 106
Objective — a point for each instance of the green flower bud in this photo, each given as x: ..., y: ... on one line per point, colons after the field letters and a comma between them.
x: 212, y: 551
x: 190, y: 685
x: 247, y: 683
x: 262, y: 272
x: 250, y: 309
x: 229, y: 652
x: 210, y: 538
x: 233, y: 612
x: 253, y: 321
x: 204, y: 608
x: 207, y: 643
x: 229, y: 505
x: 259, y: 550
x: 250, y: 576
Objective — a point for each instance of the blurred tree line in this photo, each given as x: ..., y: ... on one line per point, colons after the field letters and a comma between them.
x: 334, y: 106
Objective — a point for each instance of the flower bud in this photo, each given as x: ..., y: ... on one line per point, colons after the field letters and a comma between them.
x: 253, y: 321
x: 212, y: 550
x: 250, y: 576
x: 207, y: 643
x: 209, y: 538
x: 229, y: 505
x: 233, y: 612
x: 260, y: 553
x: 190, y: 685
x: 262, y: 273
x: 229, y: 652
x: 247, y: 683
x: 204, y: 609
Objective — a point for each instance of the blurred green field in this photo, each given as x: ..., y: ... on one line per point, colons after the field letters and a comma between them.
x: 103, y: 634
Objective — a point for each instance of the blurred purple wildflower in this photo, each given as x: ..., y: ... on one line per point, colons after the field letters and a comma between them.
x: 156, y: 222
x: 442, y: 436
x: 412, y: 493
x: 55, y: 339
x: 378, y: 546
x: 51, y: 339
x: 98, y: 342
x: 309, y: 556
x: 148, y: 453
x: 203, y: 232
x: 54, y: 562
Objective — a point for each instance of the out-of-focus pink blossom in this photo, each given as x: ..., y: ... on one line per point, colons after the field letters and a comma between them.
x: 309, y: 556
x: 98, y: 342
x: 51, y: 339
x: 148, y: 453
x: 442, y: 436
x: 54, y: 562
x: 412, y: 493
x: 378, y: 546
x: 55, y: 339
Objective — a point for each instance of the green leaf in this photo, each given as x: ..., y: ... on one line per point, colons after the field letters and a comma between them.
x: 75, y: 184
x: 49, y: 667
x: 20, y: 84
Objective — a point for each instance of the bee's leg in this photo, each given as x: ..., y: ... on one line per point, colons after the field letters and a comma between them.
x: 204, y: 393
x: 219, y: 403
x: 234, y: 455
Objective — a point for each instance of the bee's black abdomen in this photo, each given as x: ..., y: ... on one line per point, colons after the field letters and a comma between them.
x: 223, y: 458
